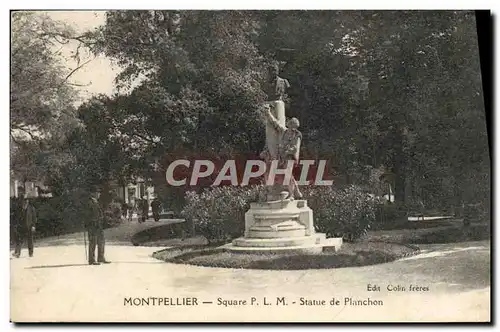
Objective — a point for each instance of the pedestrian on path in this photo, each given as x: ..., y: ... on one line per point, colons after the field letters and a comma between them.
x: 24, y: 219
x: 94, y: 224
x: 124, y: 210
x: 130, y: 211
x: 144, y: 209
x: 156, y: 208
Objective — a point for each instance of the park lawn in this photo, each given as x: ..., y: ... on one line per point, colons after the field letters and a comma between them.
x: 351, y: 254
x: 375, y: 248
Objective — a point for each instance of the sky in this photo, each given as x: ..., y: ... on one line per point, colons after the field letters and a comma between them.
x: 97, y: 75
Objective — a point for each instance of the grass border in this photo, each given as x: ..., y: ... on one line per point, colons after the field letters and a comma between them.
x: 187, y: 253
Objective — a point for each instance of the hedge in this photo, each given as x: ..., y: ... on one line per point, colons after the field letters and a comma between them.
x: 218, y: 213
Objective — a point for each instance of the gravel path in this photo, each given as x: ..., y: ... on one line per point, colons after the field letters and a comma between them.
x: 57, y: 285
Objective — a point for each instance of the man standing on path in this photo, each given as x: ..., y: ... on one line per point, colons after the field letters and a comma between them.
x: 156, y: 208
x: 94, y: 224
x: 144, y: 209
x: 24, y: 219
x: 131, y: 209
x: 124, y: 210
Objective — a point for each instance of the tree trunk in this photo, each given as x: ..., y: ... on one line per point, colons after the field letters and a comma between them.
x: 399, y: 190
x: 399, y: 169
x: 105, y: 194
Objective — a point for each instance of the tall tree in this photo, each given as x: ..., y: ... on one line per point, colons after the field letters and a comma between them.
x: 371, y: 88
x: 42, y: 96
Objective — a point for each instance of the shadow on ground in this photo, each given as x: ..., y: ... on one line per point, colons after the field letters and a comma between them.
x: 54, y: 266
x: 156, y: 233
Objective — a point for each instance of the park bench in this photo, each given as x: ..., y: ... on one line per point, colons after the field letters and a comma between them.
x: 416, y: 210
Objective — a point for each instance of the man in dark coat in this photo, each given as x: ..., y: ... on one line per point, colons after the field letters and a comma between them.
x: 24, y: 220
x: 156, y: 207
x: 131, y: 208
x: 94, y: 223
x: 124, y: 210
x: 144, y: 210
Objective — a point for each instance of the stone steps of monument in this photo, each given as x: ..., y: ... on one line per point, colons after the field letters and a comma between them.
x: 272, y: 234
x: 276, y: 216
x: 295, y: 250
x: 278, y: 227
x: 275, y: 242
x: 275, y: 246
x: 277, y: 222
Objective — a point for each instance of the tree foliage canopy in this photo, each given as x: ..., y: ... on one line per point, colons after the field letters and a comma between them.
x: 399, y: 89
x: 42, y: 98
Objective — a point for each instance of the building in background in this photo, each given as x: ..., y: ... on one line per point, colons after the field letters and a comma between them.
x: 132, y: 192
x: 31, y: 188
x: 129, y: 193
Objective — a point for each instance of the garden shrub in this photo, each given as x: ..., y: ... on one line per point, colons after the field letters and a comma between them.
x: 50, y: 219
x: 55, y: 216
x: 219, y: 213
x: 347, y: 212
x: 476, y: 212
x: 66, y: 214
x: 113, y: 214
x: 390, y: 215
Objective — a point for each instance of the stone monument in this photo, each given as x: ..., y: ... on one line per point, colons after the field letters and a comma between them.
x: 283, y: 223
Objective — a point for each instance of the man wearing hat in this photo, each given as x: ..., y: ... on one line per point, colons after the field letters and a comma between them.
x: 94, y: 223
x: 144, y: 209
x: 24, y: 222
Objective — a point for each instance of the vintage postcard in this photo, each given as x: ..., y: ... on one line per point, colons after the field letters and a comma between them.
x: 249, y: 166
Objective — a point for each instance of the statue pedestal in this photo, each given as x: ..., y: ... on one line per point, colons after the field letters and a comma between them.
x: 282, y: 226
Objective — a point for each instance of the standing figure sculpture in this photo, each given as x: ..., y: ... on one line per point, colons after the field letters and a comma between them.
x: 277, y: 85
x: 282, y: 137
x: 288, y: 148
x: 280, y: 222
